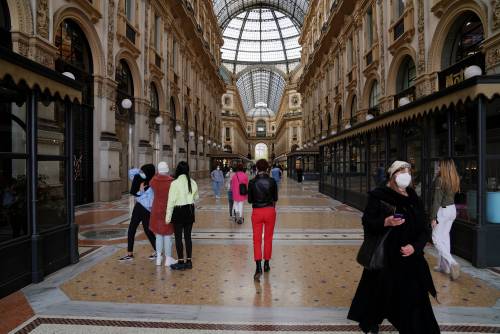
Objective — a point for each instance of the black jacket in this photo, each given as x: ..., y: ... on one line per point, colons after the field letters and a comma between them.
x: 400, y: 291
x: 262, y: 191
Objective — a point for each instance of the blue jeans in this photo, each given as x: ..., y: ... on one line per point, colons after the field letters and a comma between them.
x: 216, y: 185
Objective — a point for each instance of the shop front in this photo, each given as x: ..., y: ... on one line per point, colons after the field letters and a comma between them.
x: 37, y: 231
x: 228, y: 160
x: 307, y: 161
x: 461, y: 121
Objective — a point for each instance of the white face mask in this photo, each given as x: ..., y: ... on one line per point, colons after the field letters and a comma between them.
x: 403, y: 180
x: 218, y: 168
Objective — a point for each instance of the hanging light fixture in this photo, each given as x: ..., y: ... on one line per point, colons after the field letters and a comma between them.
x: 126, y: 104
x: 159, y: 120
x: 178, y: 128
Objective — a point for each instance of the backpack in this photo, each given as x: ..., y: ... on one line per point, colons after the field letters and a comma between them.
x: 243, y: 187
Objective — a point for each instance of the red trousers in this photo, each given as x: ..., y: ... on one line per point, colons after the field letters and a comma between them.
x: 263, y: 218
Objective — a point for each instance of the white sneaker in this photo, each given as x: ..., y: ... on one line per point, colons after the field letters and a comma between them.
x: 158, y: 260
x: 455, y: 271
x: 170, y: 261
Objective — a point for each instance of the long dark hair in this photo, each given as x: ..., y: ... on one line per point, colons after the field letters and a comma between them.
x: 183, y: 169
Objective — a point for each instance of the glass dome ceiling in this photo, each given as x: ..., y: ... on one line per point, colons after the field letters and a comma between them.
x: 261, y: 90
x: 261, y: 35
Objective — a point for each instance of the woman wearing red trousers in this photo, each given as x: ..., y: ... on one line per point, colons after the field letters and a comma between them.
x: 263, y: 195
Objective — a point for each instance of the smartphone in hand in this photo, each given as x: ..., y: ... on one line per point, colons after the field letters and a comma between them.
x: 399, y: 216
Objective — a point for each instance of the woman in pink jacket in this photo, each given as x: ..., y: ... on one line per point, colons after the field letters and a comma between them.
x: 239, y: 192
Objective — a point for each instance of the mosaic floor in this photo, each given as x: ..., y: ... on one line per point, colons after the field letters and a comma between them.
x: 312, y: 280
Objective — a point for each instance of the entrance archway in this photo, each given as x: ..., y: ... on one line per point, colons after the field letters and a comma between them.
x: 75, y: 56
x: 261, y: 151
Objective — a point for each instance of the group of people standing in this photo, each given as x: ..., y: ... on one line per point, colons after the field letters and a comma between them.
x: 165, y: 207
x: 399, y: 290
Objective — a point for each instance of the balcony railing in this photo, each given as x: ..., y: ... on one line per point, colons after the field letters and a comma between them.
x: 409, y: 93
x: 455, y: 73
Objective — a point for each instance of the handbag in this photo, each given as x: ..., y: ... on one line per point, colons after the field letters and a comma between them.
x: 371, y: 254
x: 242, y: 187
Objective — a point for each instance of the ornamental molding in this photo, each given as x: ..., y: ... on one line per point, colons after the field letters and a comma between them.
x: 42, y: 18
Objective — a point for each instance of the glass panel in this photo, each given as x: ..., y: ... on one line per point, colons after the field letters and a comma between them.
x: 493, y: 127
x: 51, y: 127
x: 413, y: 135
x: 439, y: 134
x: 467, y: 169
x: 51, y: 205
x: 13, y: 195
x: 465, y: 129
x: 12, y: 122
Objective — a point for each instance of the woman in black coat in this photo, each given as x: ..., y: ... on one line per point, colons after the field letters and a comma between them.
x: 399, y: 292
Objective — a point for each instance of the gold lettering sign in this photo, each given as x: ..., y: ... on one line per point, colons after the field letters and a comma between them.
x: 454, y: 78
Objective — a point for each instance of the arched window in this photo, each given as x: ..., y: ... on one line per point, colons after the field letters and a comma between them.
x: 399, y: 8
x: 406, y: 74
x: 374, y: 97
x: 125, y: 90
x: 260, y: 128
x: 354, y: 107
x: 75, y: 56
x: 5, y: 37
x: 463, y: 40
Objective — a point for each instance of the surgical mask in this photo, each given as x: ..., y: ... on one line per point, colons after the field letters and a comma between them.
x: 218, y: 168
x: 142, y: 175
x: 403, y: 180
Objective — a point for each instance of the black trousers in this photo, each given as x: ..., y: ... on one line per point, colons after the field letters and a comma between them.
x: 139, y: 215
x: 183, y: 219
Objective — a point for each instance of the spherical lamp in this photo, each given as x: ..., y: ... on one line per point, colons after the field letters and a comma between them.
x: 178, y: 128
x: 472, y: 71
x: 126, y: 104
x: 403, y: 101
x: 69, y: 75
x: 159, y: 120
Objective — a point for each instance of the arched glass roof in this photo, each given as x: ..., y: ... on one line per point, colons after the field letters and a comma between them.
x: 225, y: 10
x: 261, y: 36
x: 261, y: 90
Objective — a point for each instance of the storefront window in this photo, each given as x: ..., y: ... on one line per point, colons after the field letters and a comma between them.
x: 13, y: 186
x: 439, y: 134
x: 493, y: 161
x: 465, y: 129
x: 413, y: 135
x: 467, y: 205
x: 377, y: 158
x: 394, y: 143
x: 51, y: 127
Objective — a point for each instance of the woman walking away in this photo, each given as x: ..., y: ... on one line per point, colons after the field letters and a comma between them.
x: 239, y: 188
x: 230, y: 200
x: 161, y: 186
x: 263, y: 195
x: 443, y: 213
x: 217, y: 181
x: 140, y: 214
x: 399, y: 290
x: 180, y: 211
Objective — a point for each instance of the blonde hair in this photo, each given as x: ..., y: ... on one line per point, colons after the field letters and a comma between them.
x: 450, y: 180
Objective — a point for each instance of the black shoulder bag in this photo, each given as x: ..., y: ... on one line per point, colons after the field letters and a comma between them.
x: 371, y: 254
x: 243, y: 187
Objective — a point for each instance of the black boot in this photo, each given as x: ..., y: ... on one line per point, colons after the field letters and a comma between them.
x: 267, y: 268
x: 189, y: 264
x: 180, y: 265
x: 258, y: 271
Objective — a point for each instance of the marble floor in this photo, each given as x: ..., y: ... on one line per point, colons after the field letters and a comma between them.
x: 309, y: 289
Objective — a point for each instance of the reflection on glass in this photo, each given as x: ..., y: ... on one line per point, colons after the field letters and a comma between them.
x: 467, y: 208
x: 465, y: 129
x: 12, y: 124
x: 439, y: 134
x: 51, y: 194
x: 13, y: 191
x: 51, y: 126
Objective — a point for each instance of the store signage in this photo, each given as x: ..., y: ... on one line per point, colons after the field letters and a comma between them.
x: 454, y: 78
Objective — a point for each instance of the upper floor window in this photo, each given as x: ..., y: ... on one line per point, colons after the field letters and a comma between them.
x: 369, y: 27
x: 463, y: 40
x: 157, y: 33
x: 350, y: 53
x: 354, y: 107
x: 129, y: 10
x: 406, y: 74
x: 399, y: 8
x: 374, y: 96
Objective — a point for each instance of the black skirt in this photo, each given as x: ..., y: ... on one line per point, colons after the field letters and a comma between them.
x: 183, y: 214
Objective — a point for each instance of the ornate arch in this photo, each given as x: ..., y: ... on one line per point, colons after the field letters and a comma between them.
x: 161, y: 94
x: 392, y: 75
x: 446, y: 22
x: 21, y: 16
x: 85, y: 23
x: 351, y: 94
x: 134, y: 70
